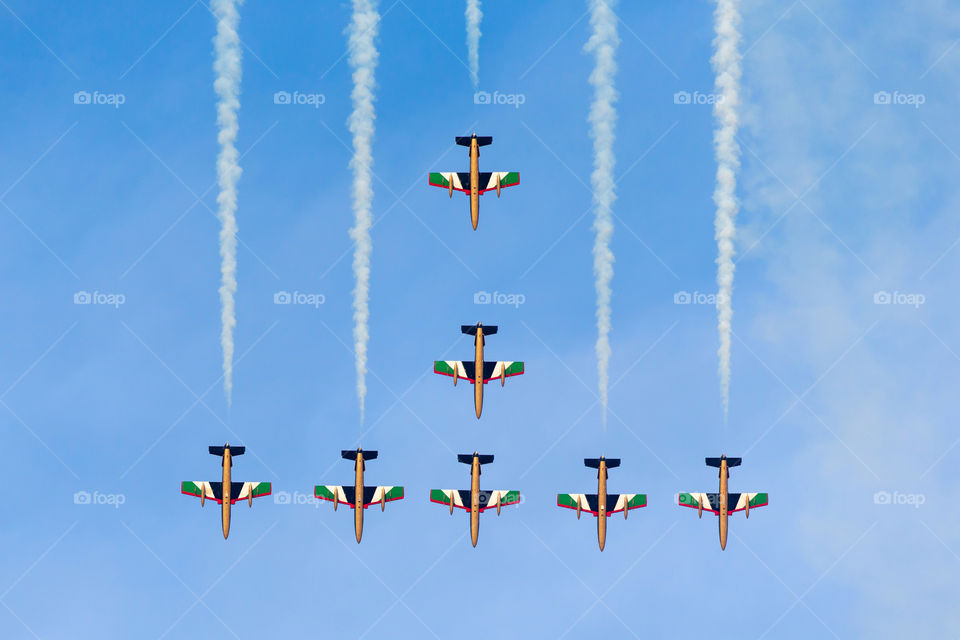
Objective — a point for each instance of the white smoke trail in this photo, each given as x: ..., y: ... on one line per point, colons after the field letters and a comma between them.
x: 474, y: 15
x: 363, y: 60
x: 726, y: 64
x: 603, y: 117
x: 227, y: 86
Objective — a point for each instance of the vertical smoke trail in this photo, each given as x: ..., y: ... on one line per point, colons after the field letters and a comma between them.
x: 603, y: 43
x: 473, y: 40
x: 726, y: 64
x: 363, y: 59
x: 227, y: 86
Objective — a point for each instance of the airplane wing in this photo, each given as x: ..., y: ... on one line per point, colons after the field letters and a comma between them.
x: 618, y: 502
x: 496, y: 370
x: 246, y: 490
x: 376, y: 495
x: 454, y: 369
x: 710, y: 501
x: 490, y: 499
x: 488, y: 180
x: 738, y: 501
x: 459, y: 497
x: 214, y: 490
x: 334, y: 493
x: 461, y: 180
x: 589, y: 502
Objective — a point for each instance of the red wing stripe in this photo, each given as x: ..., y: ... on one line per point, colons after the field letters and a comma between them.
x: 447, y: 504
x: 705, y: 509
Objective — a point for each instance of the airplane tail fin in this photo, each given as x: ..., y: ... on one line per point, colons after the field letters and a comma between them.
x: 715, y: 462
x: 351, y: 454
x: 234, y: 451
x: 594, y: 463
x: 471, y: 329
x: 482, y: 141
x: 467, y: 458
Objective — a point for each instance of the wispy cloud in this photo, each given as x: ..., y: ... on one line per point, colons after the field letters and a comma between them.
x: 363, y: 58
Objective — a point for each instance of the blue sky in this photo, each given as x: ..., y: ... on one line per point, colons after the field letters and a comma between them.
x: 840, y: 405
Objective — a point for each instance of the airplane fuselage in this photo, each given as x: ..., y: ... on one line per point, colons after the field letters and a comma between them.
x: 478, y: 370
x: 602, y: 504
x: 474, y: 182
x: 474, y: 500
x: 358, y: 497
x: 225, y: 505
x: 724, y: 475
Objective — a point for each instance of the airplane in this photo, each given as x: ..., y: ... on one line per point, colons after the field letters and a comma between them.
x: 358, y: 500
x: 225, y: 493
x: 478, y: 500
x: 723, y: 503
x: 601, y: 503
x: 478, y: 372
x: 475, y: 182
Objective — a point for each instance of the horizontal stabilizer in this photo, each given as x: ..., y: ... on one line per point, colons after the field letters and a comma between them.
x: 350, y: 454
x: 715, y: 462
x: 482, y: 141
x: 594, y: 463
x: 467, y: 458
x: 234, y: 451
x: 471, y: 329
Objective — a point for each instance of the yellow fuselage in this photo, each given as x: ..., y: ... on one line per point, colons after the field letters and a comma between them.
x: 475, y: 500
x: 474, y: 182
x: 478, y: 372
x: 225, y: 505
x: 358, y: 497
x: 724, y: 475
x: 602, y: 504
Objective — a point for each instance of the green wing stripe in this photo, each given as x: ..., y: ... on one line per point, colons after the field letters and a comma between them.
x: 395, y: 493
x: 260, y: 489
x: 512, y: 178
x: 438, y: 180
x: 321, y: 492
x: 437, y: 495
x: 510, y: 497
x: 566, y: 500
x: 759, y: 499
x: 687, y: 499
x: 515, y: 368
x: 190, y: 488
x: 639, y: 500
x: 441, y: 366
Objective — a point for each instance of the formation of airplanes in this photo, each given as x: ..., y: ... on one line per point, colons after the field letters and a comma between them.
x: 477, y: 372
